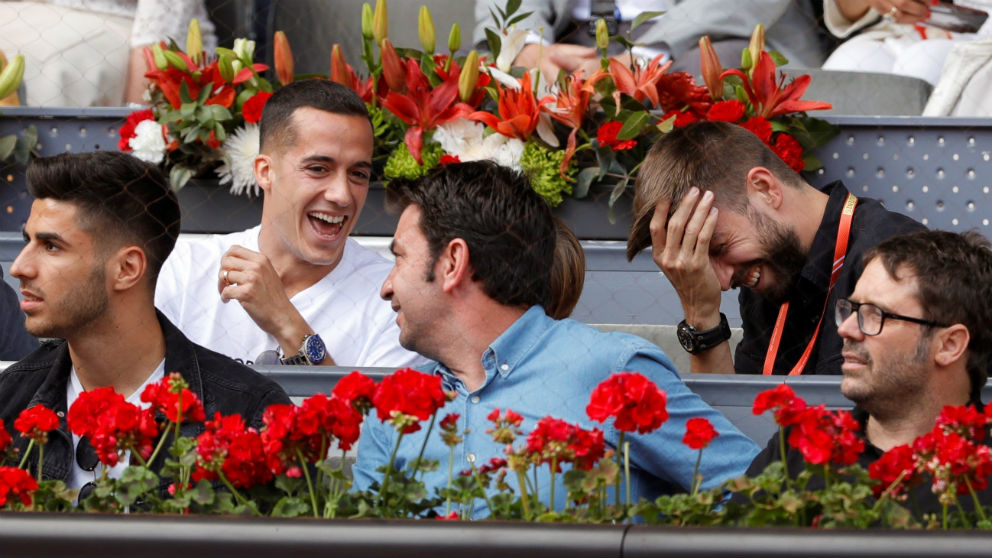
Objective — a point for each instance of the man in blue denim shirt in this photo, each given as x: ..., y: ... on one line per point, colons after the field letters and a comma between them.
x: 473, y: 248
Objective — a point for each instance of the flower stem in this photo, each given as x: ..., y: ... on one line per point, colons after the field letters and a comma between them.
x: 389, y: 469
x: 478, y: 481
x: 620, y: 443
x: 430, y: 427
x: 888, y: 491
x: 27, y: 452
x: 41, y: 459
x: 306, y: 473
x: 696, y: 480
x: 974, y: 498
x: 237, y: 495
x: 524, y: 501
x: 626, y: 470
x: 554, y: 466
x: 451, y: 472
x: 160, y: 444
x: 785, y: 463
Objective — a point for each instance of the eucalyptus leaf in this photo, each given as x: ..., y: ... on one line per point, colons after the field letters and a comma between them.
x: 495, y: 43
x: 618, y: 191
x: 632, y: 126
x: 642, y: 17
x: 179, y: 176
x: 584, y: 180
x: 204, y: 95
x: 512, y: 6
x: 518, y: 18
x: 7, y: 144
x: 220, y: 113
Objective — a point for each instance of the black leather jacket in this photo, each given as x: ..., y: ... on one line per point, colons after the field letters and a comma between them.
x: 221, y: 383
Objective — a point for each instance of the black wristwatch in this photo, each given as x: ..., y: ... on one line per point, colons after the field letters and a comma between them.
x: 312, y: 352
x: 695, y: 342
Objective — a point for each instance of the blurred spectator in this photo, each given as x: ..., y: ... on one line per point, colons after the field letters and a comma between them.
x: 89, y: 52
x: 15, y: 341
x: 791, y: 27
x: 568, y: 273
x: 891, y: 37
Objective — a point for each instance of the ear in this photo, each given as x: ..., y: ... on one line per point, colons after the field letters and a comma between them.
x: 951, y: 345
x: 453, y: 267
x: 263, y: 171
x: 127, y: 268
x: 763, y: 185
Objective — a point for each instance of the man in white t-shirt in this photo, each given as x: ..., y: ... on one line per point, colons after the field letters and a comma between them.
x: 295, y: 288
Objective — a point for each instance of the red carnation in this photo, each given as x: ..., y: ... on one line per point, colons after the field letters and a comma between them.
x: 252, y: 109
x: 759, y: 127
x: 634, y: 401
x: 407, y: 396
x: 36, y: 423
x: 171, y: 395
x: 681, y: 118
x: 447, y: 160
x: 355, y: 389
x: 126, y: 131
x: 726, y: 111
x: 607, y: 135
x: 698, y: 433
x: 17, y: 483
x: 790, y: 151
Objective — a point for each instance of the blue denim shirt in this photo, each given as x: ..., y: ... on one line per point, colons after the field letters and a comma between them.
x: 539, y: 367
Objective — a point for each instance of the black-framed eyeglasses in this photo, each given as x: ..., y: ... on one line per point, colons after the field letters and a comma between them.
x: 871, y: 318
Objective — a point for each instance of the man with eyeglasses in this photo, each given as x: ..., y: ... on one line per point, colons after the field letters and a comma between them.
x: 100, y: 227
x: 917, y: 333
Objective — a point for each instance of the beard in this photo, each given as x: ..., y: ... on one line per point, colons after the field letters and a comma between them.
x: 783, y: 261
x: 888, y: 385
x: 78, y: 306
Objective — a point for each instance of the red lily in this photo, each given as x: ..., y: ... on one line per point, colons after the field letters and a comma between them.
x: 343, y: 73
x: 569, y: 108
x: 422, y: 107
x: 640, y: 83
x: 170, y: 80
x: 519, y: 111
x: 770, y: 98
x: 678, y: 90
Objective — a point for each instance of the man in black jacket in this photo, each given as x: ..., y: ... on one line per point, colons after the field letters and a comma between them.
x: 100, y: 227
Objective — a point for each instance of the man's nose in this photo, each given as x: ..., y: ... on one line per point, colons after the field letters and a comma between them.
x: 849, y: 329
x: 338, y: 192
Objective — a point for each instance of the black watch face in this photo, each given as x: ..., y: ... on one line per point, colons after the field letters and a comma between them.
x: 315, y: 349
x: 686, y: 338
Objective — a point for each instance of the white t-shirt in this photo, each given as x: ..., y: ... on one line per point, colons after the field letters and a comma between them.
x: 344, y: 308
x: 77, y: 475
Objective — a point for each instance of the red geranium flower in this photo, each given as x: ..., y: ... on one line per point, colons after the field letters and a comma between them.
x: 726, y: 111
x: 112, y: 424
x: 36, y: 422
x: 556, y: 441
x: 126, y: 131
x: 790, y: 151
x: 897, y: 463
x: 18, y: 483
x: 171, y: 395
x: 698, y: 433
x: 355, y: 389
x: 634, y: 401
x: 783, y: 401
x: 5, y: 438
x: 759, y: 127
x: 607, y: 135
x: 228, y: 446
x: 252, y: 109
x: 823, y: 437
x: 407, y: 396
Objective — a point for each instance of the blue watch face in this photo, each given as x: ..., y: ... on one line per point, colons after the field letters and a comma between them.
x: 315, y: 349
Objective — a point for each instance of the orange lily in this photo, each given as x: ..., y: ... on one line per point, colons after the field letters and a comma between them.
x: 392, y: 67
x: 519, y: 111
x: 711, y: 67
x: 283, y: 58
x: 771, y: 98
x: 569, y: 108
x: 343, y: 73
x: 422, y: 107
x: 640, y: 83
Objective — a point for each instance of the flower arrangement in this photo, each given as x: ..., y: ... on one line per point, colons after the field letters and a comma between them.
x: 285, y: 468
x: 205, y: 112
x: 14, y: 148
x: 430, y: 108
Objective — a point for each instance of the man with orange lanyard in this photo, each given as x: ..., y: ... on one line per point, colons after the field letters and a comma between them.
x: 722, y: 211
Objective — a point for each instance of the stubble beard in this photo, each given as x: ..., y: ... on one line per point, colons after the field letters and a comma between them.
x: 80, y: 306
x: 889, y: 389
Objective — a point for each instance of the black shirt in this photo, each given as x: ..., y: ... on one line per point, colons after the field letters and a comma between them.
x: 871, y: 224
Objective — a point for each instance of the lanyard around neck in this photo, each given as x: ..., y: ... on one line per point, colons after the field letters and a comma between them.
x: 840, y: 251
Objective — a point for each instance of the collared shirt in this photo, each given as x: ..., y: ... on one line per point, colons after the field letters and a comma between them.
x: 871, y: 224
x: 540, y: 367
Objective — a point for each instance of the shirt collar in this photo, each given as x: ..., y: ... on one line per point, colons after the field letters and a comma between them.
x: 820, y: 258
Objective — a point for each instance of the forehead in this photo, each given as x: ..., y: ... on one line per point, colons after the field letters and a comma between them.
x: 317, y: 131
x: 408, y: 231
x: 51, y: 215
x: 878, y: 287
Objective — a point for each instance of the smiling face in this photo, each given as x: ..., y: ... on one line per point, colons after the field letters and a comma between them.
x: 315, y: 188
x: 751, y: 250
x: 884, y: 370
x: 63, y: 280
x: 411, y: 290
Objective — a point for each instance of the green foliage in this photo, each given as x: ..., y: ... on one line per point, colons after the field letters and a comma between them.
x: 542, y: 166
x: 401, y: 163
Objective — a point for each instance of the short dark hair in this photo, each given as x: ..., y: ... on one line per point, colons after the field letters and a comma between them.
x: 568, y: 273
x: 954, y: 282
x: 120, y: 199
x: 708, y: 155
x: 321, y: 94
x: 507, y: 225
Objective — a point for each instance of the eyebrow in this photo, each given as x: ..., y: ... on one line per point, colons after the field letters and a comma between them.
x: 328, y: 159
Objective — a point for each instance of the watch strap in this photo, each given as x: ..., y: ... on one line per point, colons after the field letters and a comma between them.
x: 695, y: 341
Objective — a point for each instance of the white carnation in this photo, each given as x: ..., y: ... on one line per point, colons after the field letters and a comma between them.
x: 240, y: 151
x: 148, y: 143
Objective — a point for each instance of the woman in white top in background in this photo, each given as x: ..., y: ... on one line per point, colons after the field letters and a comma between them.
x: 894, y: 36
x: 89, y: 52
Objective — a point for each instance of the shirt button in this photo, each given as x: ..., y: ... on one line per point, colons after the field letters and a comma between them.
x: 470, y: 457
x: 60, y: 414
x: 505, y: 367
x: 475, y: 399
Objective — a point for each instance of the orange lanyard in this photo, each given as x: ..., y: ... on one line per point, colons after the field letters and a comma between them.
x: 840, y: 251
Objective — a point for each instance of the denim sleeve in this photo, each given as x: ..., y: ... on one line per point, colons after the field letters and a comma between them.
x: 662, y: 452
x: 374, y: 447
